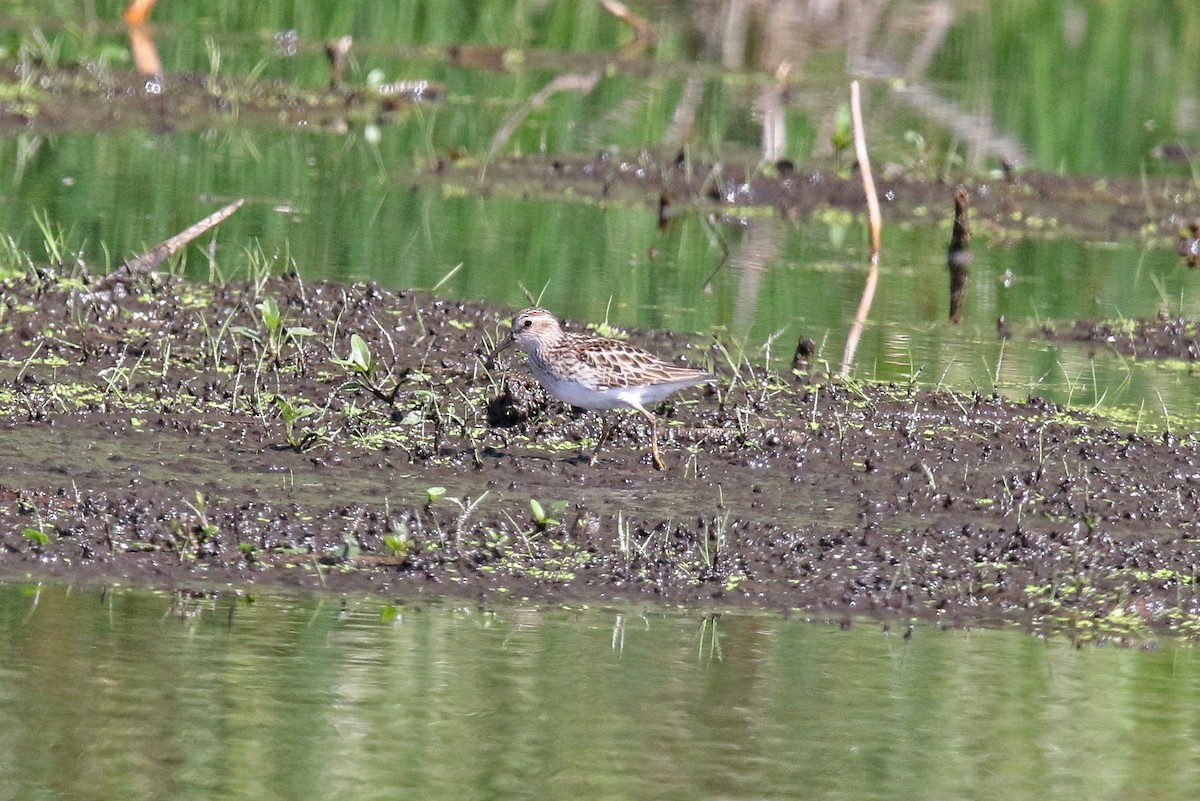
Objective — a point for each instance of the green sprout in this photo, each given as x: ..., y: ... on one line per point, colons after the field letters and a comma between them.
x: 299, y: 439
x: 398, y: 544
x: 39, y: 537
x: 543, y: 518
x: 359, y: 362
x: 274, y: 334
x: 362, y: 369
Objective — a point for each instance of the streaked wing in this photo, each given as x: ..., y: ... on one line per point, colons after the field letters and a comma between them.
x: 618, y: 364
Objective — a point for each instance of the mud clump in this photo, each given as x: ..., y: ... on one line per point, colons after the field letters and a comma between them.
x: 195, y: 436
x: 518, y: 401
x: 1160, y: 338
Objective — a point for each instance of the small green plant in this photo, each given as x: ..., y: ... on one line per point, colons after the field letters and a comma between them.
x: 13, y: 261
x: 54, y: 238
x: 214, y: 63
x: 432, y: 496
x: 920, y: 150
x: 543, y: 518
x: 249, y: 551
x: 715, y: 532
x: 258, y: 268
x: 363, y: 371
x: 204, y: 526
x: 37, y: 536
x: 358, y: 362
x: 462, y: 522
x: 398, y: 540
x: 299, y: 439
x: 214, y: 341
x: 272, y: 319
x: 624, y: 536
x: 274, y: 335
x: 189, y: 535
x: 399, y: 544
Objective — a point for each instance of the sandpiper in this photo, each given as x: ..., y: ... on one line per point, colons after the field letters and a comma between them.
x: 597, y: 373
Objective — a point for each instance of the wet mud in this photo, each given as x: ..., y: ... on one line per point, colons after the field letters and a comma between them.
x: 1005, y: 209
x: 283, y: 434
x: 1164, y: 338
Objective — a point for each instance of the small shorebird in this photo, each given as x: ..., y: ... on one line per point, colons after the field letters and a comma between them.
x: 597, y: 373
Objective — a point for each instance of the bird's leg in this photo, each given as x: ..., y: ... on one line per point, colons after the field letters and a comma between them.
x: 658, y: 460
x: 605, y: 431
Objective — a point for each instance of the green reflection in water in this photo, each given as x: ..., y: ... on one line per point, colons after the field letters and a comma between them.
x: 141, y: 695
x: 1102, y: 87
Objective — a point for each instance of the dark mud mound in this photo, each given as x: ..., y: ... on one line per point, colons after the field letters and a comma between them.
x: 283, y: 433
x: 1161, y: 338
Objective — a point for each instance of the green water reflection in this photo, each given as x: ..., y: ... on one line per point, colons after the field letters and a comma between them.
x: 1096, y: 87
x: 140, y: 695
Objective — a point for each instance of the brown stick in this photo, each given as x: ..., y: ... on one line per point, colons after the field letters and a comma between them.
x: 152, y: 258
x: 165, y: 250
x: 876, y: 222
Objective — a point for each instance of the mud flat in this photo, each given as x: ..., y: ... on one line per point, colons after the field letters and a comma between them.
x: 196, y: 437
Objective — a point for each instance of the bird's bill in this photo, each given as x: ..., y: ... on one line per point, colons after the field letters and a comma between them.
x: 504, y: 344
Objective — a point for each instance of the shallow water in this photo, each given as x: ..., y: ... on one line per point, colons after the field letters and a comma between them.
x: 129, y: 694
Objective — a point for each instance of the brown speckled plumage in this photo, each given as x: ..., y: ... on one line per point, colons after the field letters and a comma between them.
x: 596, y: 372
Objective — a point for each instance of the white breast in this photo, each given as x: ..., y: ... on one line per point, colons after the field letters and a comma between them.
x: 578, y: 395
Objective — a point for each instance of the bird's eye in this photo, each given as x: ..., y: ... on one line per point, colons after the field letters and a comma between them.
x: 528, y: 323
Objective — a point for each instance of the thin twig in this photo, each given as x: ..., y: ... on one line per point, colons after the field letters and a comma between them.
x: 643, y: 31
x: 155, y: 256
x: 876, y: 222
x: 164, y: 250
x: 582, y: 83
